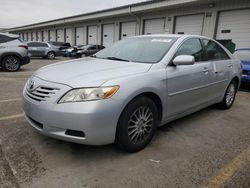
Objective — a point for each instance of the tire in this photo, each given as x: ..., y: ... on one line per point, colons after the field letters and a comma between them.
x: 133, y: 133
x: 229, y: 96
x: 11, y: 63
x: 51, y: 55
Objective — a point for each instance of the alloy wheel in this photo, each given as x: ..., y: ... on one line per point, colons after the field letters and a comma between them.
x: 140, y: 124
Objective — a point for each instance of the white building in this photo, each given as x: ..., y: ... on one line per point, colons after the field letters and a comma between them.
x: 219, y: 19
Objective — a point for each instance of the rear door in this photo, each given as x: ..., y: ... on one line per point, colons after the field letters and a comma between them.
x: 222, y: 66
x: 188, y: 84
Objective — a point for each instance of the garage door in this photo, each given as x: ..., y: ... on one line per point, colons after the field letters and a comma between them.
x: 32, y: 34
x: 39, y: 36
x: 235, y: 25
x: 52, y: 35
x: 128, y: 29
x: 108, y: 35
x: 45, y: 36
x: 60, y: 35
x: 92, y: 34
x: 191, y: 24
x: 29, y: 36
x: 154, y: 26
x: 69, y: 36
x: 80, y: 36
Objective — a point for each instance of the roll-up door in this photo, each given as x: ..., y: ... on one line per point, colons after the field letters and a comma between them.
x: 190, y: 24
x: 60, y: 35
x: 45, y: 36
x: 52, y: 35
x: 92, y: 35
x: 80, y: 36
x: 108, y: 34
x: 154, y: 26
x: 128, y: 29
x: 69, y: 36
x: 235, y: 25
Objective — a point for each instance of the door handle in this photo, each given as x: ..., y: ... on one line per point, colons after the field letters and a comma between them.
x: 2, y: 47
x: 230, y: 65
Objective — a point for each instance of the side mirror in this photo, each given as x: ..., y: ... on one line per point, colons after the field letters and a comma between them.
x: 184, y: 60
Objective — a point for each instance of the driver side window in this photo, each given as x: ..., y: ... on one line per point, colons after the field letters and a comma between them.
x: 192, y: 47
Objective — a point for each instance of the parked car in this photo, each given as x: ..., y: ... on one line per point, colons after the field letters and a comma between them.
x: 61, y: 45
x: 71, y: 52
x: 43, y: 49
x: 13, y: 52
x: 124, y: 92
x: 87, y: 50
x: 244, y: 55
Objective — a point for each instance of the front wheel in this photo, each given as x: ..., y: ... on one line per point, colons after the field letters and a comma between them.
x: 137, y: 125
x: 229, y: 96
x: 11, y: 63
x: 51, y: 55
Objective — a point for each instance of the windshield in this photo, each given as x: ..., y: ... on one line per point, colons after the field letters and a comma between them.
x: 141, y: 49
x: 243, y: 55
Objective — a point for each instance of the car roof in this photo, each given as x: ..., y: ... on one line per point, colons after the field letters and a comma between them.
x: 241, y: 49
x: 171, y: 36
x: 10, y: 35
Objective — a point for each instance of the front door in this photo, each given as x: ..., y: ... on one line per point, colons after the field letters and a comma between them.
x: 188, y: 84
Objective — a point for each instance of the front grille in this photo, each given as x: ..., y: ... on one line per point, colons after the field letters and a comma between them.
x: 246, y: 72
x: 41, y: 93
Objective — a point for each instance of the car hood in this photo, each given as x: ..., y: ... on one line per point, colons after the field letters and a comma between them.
x: 246, y: 65
x: 89, y: 72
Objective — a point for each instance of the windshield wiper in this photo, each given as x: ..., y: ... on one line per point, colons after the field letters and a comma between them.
x: 116, y: 58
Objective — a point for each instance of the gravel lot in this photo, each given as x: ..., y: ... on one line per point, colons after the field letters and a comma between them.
x: 210, y: 148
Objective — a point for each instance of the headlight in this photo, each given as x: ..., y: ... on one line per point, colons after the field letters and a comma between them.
x: 89, y: 94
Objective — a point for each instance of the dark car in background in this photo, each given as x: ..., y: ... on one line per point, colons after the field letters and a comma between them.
x: 244, y: 55
x: 88, y: 50
x: 61, y: 45
x: 43, y: 49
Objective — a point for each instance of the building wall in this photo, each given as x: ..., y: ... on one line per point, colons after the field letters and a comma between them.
x: 169, y: 14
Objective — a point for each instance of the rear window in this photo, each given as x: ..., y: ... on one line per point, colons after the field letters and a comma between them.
x: 4, y: 39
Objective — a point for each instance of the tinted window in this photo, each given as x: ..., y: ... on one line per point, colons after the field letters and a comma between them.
x: 37, y: 44
x: 214, y: 51
x: 4, y: 39
x: 92, y: 48
x: 192, y: 47
x: 140, y: 49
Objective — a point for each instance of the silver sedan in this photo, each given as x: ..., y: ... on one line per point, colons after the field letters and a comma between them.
x: 123, y: 93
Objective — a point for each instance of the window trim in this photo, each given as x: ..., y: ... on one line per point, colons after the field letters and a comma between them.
x: 174, y: 56
x: 205, y: 50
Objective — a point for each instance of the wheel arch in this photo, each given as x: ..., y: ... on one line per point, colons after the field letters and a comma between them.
x: 9, y: 54
x: 151, y: 95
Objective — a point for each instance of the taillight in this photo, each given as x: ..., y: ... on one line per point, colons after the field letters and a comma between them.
x: 23, y: 46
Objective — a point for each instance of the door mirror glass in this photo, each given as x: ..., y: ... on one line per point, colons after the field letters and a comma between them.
x: 184, y: 60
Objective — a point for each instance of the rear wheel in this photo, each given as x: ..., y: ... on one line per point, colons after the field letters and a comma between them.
x: 229, y: 96
x: 51, y: 55
x: 11, y: 63
x: 137, y: 124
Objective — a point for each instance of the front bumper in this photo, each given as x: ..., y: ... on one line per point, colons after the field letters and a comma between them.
x: 25, y: 60
x: 97, y: 120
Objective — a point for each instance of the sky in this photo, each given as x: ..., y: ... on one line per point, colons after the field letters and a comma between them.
x: 15, y: 13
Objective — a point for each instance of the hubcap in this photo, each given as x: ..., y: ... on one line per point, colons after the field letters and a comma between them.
x: 140, y: 124
x: 12, y: 64
x: 230, y: 94
x: 51, y: 55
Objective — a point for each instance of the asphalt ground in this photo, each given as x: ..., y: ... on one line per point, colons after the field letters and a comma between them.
x: 208, y: 149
